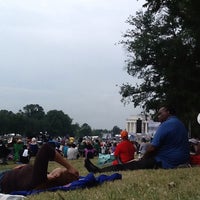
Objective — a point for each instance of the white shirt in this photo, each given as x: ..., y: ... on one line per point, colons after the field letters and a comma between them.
x: 25, y: 153
x: 72, y: 153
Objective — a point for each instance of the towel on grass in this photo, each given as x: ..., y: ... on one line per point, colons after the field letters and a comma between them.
x: 84, y: 182
x: 11, y: 197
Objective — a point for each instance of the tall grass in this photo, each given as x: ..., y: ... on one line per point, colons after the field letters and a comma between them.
x: 182, y: 183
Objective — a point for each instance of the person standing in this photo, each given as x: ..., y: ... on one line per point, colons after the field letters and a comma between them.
x: 24, y: 155
x: 33, y: 147
x: 17, y: 147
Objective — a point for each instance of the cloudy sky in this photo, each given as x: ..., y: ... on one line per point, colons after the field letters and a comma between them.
x: 63, y: 55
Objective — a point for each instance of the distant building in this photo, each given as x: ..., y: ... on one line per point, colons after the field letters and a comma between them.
x: 140, y: 124
x: 136, y: 124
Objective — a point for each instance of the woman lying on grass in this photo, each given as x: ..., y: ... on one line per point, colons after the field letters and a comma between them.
x: 28, y: 177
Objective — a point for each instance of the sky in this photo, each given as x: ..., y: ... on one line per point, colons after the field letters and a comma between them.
x: 64, y: 55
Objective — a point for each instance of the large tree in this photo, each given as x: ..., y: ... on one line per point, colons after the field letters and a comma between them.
x: 6, y: 121
x: 116, y: 130
x: 85, y: 130
x: 34, y: 111
x: 34, y: 117
x: 163, y: 51
x: 60, y: 124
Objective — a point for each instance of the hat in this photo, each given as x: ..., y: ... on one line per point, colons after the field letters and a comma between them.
x: 124, y: 134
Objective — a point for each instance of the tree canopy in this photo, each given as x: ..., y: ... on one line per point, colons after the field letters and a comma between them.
x: 32, y: 121
x: 163, y: 48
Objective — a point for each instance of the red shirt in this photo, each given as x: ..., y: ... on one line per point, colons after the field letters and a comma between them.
x: 125, y: 150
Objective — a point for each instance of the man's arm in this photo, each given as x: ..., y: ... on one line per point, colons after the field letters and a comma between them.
x: 62, y: 161
x: 151, y: 151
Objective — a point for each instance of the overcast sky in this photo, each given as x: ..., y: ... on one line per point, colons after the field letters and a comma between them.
x: 63, y: 55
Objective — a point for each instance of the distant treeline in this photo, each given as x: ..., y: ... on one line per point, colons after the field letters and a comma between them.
x: 32, y: 120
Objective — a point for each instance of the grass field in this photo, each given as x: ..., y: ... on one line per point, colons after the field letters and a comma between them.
x: 182, y: 183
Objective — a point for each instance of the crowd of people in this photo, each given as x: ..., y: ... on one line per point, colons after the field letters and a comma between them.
x: 18, y: 150
x: 169, y: 148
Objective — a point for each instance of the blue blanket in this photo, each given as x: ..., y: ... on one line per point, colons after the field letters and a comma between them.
x: 84, y: 182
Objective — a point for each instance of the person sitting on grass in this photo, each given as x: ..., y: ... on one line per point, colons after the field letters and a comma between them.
x: 4, y: 152
x: 24, y: 155
x: 168, y: 149
x: 125, y: 150
x: 29, y: 177
x: 194, y: 152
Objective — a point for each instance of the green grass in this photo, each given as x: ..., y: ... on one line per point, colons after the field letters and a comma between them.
x: 182, y: 183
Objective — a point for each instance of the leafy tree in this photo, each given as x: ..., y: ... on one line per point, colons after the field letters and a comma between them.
x: 116, y: 130
x: 34, y: 111
x: 18, y: 123
x: 59, y: 123
x: 75, y: 130
x: 85, y: 130
x: 98, y: 132
x: 5, y: 121
x: 32, y: 120
x: 162, y: 52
